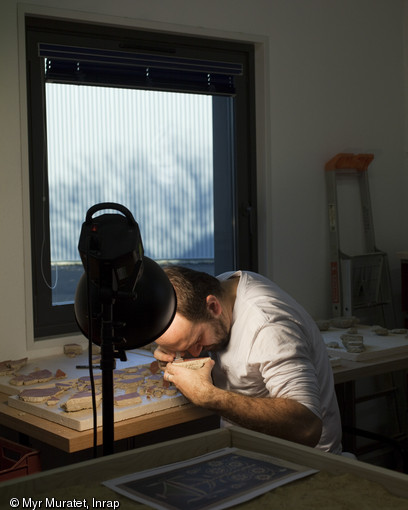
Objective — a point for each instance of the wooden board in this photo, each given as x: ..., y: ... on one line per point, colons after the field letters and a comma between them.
x: 83, y: 420
x: 376, y: 346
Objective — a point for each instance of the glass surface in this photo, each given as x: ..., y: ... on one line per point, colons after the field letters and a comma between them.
x: 150, y: 151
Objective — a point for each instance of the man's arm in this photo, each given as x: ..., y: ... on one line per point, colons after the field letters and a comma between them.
x: 279, y: 417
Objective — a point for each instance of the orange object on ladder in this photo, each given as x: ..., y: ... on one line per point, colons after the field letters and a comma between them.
x: 360, y: 284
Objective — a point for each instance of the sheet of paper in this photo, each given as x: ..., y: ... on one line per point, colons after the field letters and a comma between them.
x: 213, y: 481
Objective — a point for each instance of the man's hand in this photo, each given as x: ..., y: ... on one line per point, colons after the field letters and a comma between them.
x: 196, y: 385
x: 164, y: 355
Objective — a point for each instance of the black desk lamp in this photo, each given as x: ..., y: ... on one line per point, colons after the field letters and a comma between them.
x: 123, y: 300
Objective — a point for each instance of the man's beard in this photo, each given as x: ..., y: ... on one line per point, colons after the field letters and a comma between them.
x: 221, y: 335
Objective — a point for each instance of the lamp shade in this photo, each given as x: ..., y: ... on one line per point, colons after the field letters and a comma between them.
x: 137, y: 321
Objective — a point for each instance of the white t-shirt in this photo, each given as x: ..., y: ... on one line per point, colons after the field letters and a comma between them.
x: 276, y: 350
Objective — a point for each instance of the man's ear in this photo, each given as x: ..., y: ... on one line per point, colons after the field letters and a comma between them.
x: 214, y: 306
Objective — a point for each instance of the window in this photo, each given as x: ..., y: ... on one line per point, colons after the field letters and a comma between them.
x: 161, y: 124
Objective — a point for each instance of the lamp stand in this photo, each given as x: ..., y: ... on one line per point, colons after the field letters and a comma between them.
x: 108, y: 356
x: 107, y: 366
x: 111, y: 251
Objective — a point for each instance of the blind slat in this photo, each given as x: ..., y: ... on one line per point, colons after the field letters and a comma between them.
x: 72, y: 64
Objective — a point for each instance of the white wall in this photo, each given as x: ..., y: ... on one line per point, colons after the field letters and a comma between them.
x: 333, y: 82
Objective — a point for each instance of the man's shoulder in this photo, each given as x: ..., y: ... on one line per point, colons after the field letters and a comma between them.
x: 228, y: 274
x: 249, y: 275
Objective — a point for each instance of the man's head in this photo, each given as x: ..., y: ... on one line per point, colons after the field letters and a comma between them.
x: 200, y: 322
x: 192, y: 289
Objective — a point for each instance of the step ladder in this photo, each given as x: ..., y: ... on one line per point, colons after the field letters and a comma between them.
x: 360, y: 284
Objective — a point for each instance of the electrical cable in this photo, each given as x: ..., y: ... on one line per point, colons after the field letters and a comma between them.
x: 90, y: 364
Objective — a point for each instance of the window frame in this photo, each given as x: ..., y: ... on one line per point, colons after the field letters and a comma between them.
x: 57, y: 320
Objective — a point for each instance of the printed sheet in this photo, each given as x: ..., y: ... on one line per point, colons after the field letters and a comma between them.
x: 213, y: 481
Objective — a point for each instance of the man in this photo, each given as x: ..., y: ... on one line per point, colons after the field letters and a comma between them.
x: 269, y: 370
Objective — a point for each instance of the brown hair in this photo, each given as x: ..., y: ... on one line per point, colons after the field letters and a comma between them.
x: 192, y: 288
